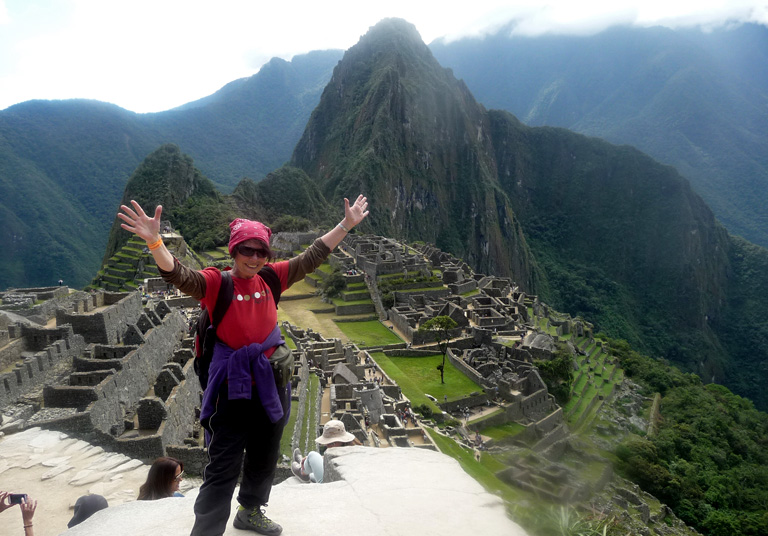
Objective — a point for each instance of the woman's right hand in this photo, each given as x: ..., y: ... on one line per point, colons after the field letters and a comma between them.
x: 28, y: 510
x: 138, y: 223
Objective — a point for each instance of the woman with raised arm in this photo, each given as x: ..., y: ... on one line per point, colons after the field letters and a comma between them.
x: 243, y: 409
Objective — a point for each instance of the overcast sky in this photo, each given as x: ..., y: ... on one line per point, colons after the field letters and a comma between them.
x: 152, y: 55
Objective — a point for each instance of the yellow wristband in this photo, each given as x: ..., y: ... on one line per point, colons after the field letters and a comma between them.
x: 155, y: 245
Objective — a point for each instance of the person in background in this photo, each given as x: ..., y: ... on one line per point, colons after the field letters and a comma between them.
x: 243, y: 409
x: 85, y: 507
x: 310, y: 467
x: 27, y: 507
x: 163, y: 480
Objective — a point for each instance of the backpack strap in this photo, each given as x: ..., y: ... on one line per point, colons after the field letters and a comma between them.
x: 272, y: 280
x: 223, y: 299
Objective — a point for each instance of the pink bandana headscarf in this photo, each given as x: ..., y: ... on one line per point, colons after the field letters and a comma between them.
x: 241, y: 230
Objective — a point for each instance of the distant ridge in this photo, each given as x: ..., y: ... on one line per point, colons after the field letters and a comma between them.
x: 693, y: 98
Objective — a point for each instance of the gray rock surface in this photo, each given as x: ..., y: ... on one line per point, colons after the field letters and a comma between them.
x: 376, y: 492
x: 379, y: 492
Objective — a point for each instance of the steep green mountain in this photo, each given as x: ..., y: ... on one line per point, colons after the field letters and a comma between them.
x: 62, y: 169
x: 168, y: 178
x: 697, y: 100
x: 64, y: 164
x: 395, y: 125
x: 286, y: 196
x: 596, y: 229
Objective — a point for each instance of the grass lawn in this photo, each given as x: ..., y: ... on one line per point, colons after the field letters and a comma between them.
x: 285, y: 441
x: 418, y: 376
x: 505, y: 430
x: 309, y: 415
x: 370, y: 333
x: 301, y: 287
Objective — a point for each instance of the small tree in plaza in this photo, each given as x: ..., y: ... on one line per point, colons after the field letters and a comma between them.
x: 440, y: 327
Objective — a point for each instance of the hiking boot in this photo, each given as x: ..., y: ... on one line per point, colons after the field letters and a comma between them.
x: 296, y: 470
x: 255, y: 520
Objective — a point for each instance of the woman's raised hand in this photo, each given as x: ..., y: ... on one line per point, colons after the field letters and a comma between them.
x: 354, y: 214
x: 138, y: 223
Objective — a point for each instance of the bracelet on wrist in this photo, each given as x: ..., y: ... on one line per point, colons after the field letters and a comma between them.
x: 155, y: 245
x: 342, y: 226
x: 27, y: 526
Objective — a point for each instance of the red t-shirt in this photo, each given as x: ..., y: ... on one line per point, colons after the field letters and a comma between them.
x: 252, y: 315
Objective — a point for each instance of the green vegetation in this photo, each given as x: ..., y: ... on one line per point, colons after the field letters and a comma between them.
x: 708, y: 461
x: 416, y: 377
x: 333, y: 284
x: 285, y: 441
x: 307, y: 435
x: 204, y: 222
x: 726, y: 168
x: 501, y: 431
x: 369, y: 333
x: 557, y: 373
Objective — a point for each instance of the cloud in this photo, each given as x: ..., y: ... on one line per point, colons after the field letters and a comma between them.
x: 533, y: 18
x: 146, y: 55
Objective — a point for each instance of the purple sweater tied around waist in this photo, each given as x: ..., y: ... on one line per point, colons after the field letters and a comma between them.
x: 244, y: 370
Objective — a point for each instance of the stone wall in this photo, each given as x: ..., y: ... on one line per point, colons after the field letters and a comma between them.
x: 465, y: 369
x: 32, y: 372
x: 178, y: 418
x: 52, y: 298
x: 107, y: 402
x: 550, y: 422
x: 106, y: 326
x: 358, y: 309
x: 11, y: 345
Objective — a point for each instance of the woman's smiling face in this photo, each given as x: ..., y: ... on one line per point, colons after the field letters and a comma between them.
x: 246, y: 266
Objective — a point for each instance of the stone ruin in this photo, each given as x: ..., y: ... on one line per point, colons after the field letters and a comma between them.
x: 490, y: 313
x: 112, y: 371
x: 129, y: 384
x: 347, y: 373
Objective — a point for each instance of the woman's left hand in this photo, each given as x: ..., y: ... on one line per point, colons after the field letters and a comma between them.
x: 354, y: 214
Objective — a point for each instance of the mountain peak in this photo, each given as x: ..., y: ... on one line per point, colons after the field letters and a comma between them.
x: 392, y: 31
x: 396, y: 125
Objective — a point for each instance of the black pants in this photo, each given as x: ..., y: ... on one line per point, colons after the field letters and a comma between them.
x: 237, y: 427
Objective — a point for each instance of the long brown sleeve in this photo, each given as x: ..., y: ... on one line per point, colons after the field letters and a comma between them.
x: 307, y: 261
x: 192, y: 283
x: 189, y: 281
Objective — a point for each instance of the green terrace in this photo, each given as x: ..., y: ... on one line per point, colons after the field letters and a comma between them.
x: 593, y: 383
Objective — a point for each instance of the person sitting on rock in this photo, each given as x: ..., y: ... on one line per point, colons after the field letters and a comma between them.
x: 163, y: 480
x: 310, y: 467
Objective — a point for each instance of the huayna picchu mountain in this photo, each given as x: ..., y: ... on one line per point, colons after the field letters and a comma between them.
x: 597, y: 230
x: 394, y: 124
